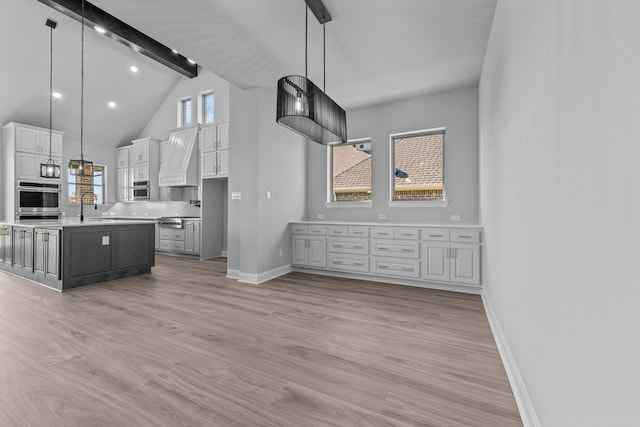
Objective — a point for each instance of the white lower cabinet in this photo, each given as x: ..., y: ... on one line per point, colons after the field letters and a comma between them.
x: 192, y: 237
x: 417, y: 254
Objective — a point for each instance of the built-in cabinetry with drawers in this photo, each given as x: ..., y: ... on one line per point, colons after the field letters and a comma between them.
x: 182, y: 240
x: 442, y: 257
x: 138, y: 162
x: 214, y: 150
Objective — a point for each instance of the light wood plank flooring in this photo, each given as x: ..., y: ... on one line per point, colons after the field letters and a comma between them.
x: 184, y: 346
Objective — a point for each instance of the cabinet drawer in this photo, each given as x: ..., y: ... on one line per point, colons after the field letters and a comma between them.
x: 171, y: 234
x: 396, y: 267
x: 359, y: 231
x: 318, y: 230
x: 471, y: 236
x: 382, y: 232
x: 299, y: 228
x: 395, y: 248
x: 172, y: 245
x: 349, y: 246
x: 349, y: 263
x: 406, y: 233
x: 435, y: 234
x: 338, y: 230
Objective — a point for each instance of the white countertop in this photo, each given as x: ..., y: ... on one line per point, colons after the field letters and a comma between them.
x: 386, y: 224
x: 73, y: 222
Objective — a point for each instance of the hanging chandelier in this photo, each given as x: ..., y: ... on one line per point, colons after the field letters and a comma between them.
x: 49, y: 169
x: 81, y: 165
x: 302, y: 106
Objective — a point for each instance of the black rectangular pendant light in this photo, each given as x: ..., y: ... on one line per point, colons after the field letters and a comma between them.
x: 303, y: 107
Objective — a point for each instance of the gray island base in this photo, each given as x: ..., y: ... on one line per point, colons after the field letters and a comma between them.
x: 68, y: 254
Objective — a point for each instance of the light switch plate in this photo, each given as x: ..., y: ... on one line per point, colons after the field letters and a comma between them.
x: 236, y: 195
x: 455, y: 217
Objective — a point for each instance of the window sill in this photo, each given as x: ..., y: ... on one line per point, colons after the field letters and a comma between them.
x: 418, y: 203
x: 364, y: 204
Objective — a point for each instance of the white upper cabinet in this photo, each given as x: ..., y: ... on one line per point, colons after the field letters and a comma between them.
x: 122, y: 157
x: 35, y: 140
x: 140, y: 151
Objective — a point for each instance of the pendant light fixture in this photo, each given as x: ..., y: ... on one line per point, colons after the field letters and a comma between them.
x: 302, y: 106
x: 50, y: 169
x: 81, y: 165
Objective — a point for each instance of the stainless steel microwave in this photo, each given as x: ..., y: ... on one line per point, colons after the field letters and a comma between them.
x: 141, y: 190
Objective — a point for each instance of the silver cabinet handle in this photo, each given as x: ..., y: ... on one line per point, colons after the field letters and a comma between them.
x: 407, y: 268
x: 359, y: 264
x: 435, y: 235
x: 383, y: 266
x: 406, y: 250
x: 337, y: 262
x: 406, y: 234
x: 463, y: 236
x: 337, y: 246
x: 358, y: 247
x: 383, y: 234
x: 358, y: 232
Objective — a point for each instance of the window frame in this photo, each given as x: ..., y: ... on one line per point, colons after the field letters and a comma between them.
x: 392, y: 202
x: 330, y: 203
x: 104, y: 186
x: 201, y: 107
x: 182, y: 113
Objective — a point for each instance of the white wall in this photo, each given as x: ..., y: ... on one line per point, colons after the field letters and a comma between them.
x: 264, y: 156
x: 457, y: 110
x: 559, y: 146
x: 165, y: 118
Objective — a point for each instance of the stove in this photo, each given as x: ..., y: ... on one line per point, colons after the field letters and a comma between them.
x: 174, y: 221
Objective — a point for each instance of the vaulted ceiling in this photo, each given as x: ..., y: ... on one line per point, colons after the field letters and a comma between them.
x: 376, y: 50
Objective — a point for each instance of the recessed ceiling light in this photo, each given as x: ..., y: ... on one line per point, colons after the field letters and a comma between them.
x: 99, y: 29
x: 56, y: 95
x: 111, y: 104
x: 133, y: 69
x: 191, y: 61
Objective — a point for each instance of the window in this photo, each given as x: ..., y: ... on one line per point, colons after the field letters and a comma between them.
x: 93, y: 187
x: 207, y: 107
x: 184, y: 113
x: 417, y: 160
x: 350, y: 172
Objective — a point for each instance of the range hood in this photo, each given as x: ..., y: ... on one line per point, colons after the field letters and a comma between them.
x: 180, y: 164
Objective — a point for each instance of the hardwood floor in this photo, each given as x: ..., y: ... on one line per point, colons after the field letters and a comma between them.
x: 184, y: 346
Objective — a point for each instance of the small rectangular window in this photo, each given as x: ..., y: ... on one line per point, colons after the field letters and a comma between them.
x: 185, y: 112
x: 207, y: 108
x: 92, y: 187
x: 350, y: 172
x: 418, y: 165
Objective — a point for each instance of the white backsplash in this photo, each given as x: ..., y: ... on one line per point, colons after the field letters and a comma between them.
x: 153, y: 209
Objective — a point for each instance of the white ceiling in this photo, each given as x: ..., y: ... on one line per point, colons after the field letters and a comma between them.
x: 376, y: 49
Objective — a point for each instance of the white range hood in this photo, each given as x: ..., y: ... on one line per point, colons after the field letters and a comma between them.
x: 180, y: 165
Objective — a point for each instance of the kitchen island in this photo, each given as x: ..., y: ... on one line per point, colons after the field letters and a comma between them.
x: 66, y: 254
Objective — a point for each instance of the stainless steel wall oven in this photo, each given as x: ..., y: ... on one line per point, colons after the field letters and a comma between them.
x: 38, y: 200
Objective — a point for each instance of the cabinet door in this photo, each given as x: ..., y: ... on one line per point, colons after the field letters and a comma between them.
x: 317, y: 251
x: 436, y: 261
x: 223, y: 136
x: 140, y: 151
x: 23, y: 248
x: 122, y: 157
x: 299, y: 253
x: 40, y: 252
x: 465, y: 263
x: 28, y: 140
x: 188, y: 238
x: 123, y: 184
x: 207, y: 139
x: 208, y: 165
x: 196, y: 237
x: 53, y: 254
x: 27, y: 166
x: 222, y: 168
x: 56, y: 144
x: 6, y: 251
x: 141, y: 171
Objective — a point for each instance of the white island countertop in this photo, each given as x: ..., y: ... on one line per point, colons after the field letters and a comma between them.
x: 73, y: 222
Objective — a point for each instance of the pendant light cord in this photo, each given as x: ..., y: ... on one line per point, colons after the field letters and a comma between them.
x: 50, y: 88
x: 324, y: 57
x: 82, y: 89
x: 306, y: 37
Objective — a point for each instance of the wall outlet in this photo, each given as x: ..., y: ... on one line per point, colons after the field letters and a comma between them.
x: 280, y: 253
x: 455, y: 217
x: 236, y: 195
x: 320, y: 216
x: 105, y: 240
x: 382, y: 216
x: 268, y: 195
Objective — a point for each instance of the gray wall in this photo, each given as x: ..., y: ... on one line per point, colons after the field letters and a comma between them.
x: 263, y: 157
x: 457, y: 110
x: 559, y: 104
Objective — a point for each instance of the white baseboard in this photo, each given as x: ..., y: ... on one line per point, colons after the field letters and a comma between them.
x: 525, y: 405
x: 256, y: 279
x: 233, y: 274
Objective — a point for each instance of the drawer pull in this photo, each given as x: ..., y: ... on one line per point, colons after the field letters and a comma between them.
x: 435, y: 235
x: 358, y: 232
x: 316, y: 231
x: 337, y: 262
x: 464, y: 236
x: 383, y: 234
x: 383, y: 248
x: 406, y: 250
x: 407, y: 268
x: 337, y: 246
x: 358, y: 264
x: 358, y: 247
x: 337, y: 232
x: 406, y: 234
x: 383, y: 266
